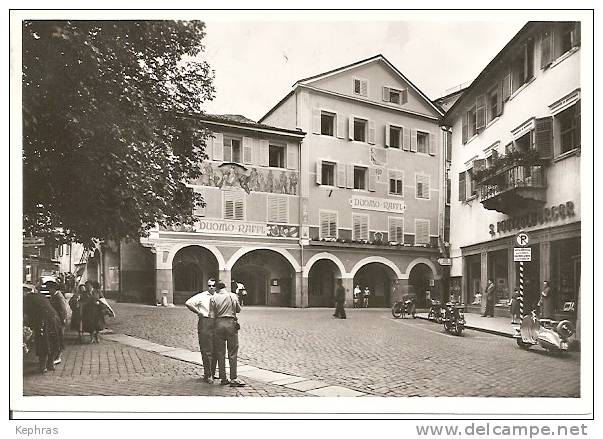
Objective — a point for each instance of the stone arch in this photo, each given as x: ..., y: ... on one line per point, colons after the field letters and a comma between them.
x: 324, y: 255
x: 244, y: 250
x: 376, y: 259
x: 425, y: 261
x: 214, y: 250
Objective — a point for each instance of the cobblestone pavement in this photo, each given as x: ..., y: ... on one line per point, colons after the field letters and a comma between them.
x: 370, y: 352
x: 110, y: 368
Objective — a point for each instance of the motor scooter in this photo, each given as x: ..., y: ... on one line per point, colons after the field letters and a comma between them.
x: 454, y: 318
x: 552, y: 335
x: 435, y: 311
x: 406, y: 306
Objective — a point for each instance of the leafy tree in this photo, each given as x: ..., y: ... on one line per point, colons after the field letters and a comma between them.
x: 109, y: 133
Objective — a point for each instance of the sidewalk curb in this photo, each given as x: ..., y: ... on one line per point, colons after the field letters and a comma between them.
x: 476, y: 328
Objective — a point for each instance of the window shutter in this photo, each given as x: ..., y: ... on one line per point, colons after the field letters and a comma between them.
x: 324, y: 224
x: 506, y: 87
x: 422, y: 231
x: 340, y: 126
x: 387, y: 141
x: 480, y: 111
x: 333, y: 225
x: 277, y: 209
x: 546, y: 49
x: 462, y: 187
x: 465, y: 128
x: 448, y: 136
x: 263, y: 152
x: 351, y: 128
x: 405, y: 139
x: 247, y: 150
x: 385, y: 94
x: 341, y: 175
x: 396, y: 229
x: 255, y: 152
x: 218, y: 147
x: 234, y: 205
x: 318, y: 171
x: 432, y: 143
x: 283, y: 211
x: 499, y: 100
x: 316, y: 120
x: 350, y: 176
x: 372, y: 179
x: 364, y: 87
x: 422, y: 186
x: 371, y: 132
x: 271, y: 204
x: 356, y: 227
x: 292, y: 155
x: 413, y: 140
x: 404, y: 96
x: 544, y: 137
x: 575, y: 35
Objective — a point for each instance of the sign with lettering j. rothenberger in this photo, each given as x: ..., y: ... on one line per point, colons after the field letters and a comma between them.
x: 380, y: 204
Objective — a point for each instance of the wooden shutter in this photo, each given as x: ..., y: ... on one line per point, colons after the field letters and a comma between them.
x: 480, y: 111
x: 387, y: 129
x: 351, y: 128
x: 448, y: 136
x: 341, y: 175
x: 422, y: 186
x: 340, y: 126
x: 324, y: 224
x: 349, y: 176
x: 405, y: 138
x: 546, y: 49
x: 544, y: 137
x: 396, y: 229
x: 462, y: 187
x: 465, y: 127
x: 292, y: 155
x: 318, y: 171
x: 218, y: 147
x: 575, y: 35
x: 247, y: 150
x: 499, y: 100
x: 255, y: 152
x: 422, y: 231
x: 403, y: 96
x: 432, y: 143
x: 264, y: 147
x: 316, y: 120
x: 234, y: 205
x: 413, y: 140
x: 278, y: 211
x: 506, y: 87
x: 372, y: 179
x: 360, y: 227
x: 371, y: 132
x: 364, y: 87
x: 272, y: 207
x: 386, y: 94
x: 479, y: 165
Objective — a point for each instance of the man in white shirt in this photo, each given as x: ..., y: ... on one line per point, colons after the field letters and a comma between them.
x: 199, y: 304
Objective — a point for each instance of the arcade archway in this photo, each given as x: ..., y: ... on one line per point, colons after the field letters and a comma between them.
x: 192, y: 266
x: 322, y: 279
x: 421, y: 281
x: 379, y: 278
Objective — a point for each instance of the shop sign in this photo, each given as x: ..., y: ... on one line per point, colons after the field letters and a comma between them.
x: 379, y: 204
x: 534, y: 218
x: 444, y: 261
x: 283, y: 231
x: 522, y: 254
x: 225, y: 227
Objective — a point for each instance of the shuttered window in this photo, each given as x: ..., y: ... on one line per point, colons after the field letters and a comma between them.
x: 396, y: 183
x: 569, y: 128
x: 462, y: 187
x: 359, y: 177
x: 278, y: 209
x: 422, y: 182
x: 395, y: 96
x: 421, y: 231
x: 422, y: 142
x: 396, y: 229
x: 232, y: 150
x: 234, y: 204
x: 360, y: 87
x: 360, y: 227
x: 276, y: 156
x: 328, y: 224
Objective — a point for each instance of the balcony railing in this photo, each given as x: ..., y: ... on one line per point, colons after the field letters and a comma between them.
x: 511, y: 178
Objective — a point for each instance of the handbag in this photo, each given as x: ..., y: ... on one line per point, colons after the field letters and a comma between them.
x: 236, y: 320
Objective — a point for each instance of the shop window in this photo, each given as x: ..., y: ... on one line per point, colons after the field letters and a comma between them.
x: 359, y: 178
x: 395, y: 137
x: 360, y: 130
x: 422, y: 142
x: 327, y: 123
x: 568, y: 122
x: 360, y: 227
x: 396, y: 229
x: 328, y: 224
x: 276, y: 156
x: 422, y: 184
x: 232, y: 150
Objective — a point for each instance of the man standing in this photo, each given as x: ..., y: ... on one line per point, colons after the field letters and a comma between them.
x: 199, y: 304
x: 489, y: 293
x: 223, y: 308
x: 339, y: 300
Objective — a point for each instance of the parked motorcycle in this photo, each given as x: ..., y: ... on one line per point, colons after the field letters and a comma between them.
x: 406, y: 306
x: 435, y: 311
x: 550, y: 334
x: 454, y: 318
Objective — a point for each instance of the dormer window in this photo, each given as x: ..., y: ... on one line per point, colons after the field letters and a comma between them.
x: 395, y: 96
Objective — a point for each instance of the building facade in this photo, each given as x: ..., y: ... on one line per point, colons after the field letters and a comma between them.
x: 371, y: 186
x: 516, y: 167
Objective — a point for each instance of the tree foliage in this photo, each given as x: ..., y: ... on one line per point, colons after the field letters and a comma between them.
x: 108, y: 140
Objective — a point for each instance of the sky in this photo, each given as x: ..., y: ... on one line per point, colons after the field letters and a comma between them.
x: 257, y: 62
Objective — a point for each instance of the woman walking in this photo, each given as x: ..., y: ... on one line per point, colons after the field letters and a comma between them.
x: 75, y: 303
x: 93, y: 320
x: 515, y: 309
